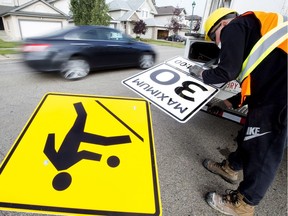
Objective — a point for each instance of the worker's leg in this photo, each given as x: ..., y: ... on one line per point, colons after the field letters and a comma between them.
x: 262, y: 150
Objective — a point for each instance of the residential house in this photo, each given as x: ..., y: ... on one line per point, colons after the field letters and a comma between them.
x: 196, y: 22
x: 24, y: 18
x: 125, y: 12
x: 164, y: 16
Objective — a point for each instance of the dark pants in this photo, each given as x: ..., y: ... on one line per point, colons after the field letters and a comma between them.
x: 261, y: 144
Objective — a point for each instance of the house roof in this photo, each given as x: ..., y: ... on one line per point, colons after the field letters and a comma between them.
x: 127, y: 16
x: 129, y: 5
x: 135, y: 4
x: 195, y: 17
x: 5, y: 9
x: 168, y: 10
x: 19, y: 10
x: 51, y: 1
x: 119, y: 5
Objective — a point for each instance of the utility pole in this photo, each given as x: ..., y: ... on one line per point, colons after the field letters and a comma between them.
x: 193, y: 5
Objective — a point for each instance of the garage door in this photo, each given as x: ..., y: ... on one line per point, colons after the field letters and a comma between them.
x: 162, y: 34
x: 30, y: 28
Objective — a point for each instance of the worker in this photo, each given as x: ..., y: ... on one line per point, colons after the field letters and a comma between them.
x: 254, y: 52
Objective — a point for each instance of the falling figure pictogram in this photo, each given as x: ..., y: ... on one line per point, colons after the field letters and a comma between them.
x: 68, y: 154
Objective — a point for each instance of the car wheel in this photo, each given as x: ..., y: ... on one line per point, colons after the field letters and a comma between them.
x: 146, y: 60
x: 75, y: 68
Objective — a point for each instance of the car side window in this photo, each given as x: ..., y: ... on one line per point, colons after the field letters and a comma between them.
x: 114, y: 35
x: 74, y: 35
x: 90, y: 35
x: 99, y: 34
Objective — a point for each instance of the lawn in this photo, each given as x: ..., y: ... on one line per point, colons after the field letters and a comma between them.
x: 164, y: 43
x: 9, y: 47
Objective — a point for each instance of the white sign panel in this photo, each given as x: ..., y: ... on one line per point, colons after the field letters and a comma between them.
x: 172, y: 90
x: 184, y: 65
x: 180, y: 63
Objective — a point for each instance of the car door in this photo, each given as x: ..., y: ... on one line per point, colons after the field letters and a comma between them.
x: 121, y: 47
x: 108, y: 47
x: 97, y: 51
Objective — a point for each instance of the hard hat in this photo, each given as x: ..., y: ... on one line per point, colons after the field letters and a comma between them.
x: 215, y: 17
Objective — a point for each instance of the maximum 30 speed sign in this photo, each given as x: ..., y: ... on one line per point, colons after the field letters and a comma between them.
x: 172, y: 90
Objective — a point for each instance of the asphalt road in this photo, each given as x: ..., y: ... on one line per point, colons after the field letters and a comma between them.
x: 180, y: 148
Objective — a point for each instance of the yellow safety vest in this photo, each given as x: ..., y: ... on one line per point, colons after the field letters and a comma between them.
x: 274, y: 28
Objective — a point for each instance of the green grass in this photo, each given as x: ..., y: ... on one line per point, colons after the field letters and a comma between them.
x: 163, y: 43
x: 7, y: 48
x: 8, y: 51
x: 5, y: 44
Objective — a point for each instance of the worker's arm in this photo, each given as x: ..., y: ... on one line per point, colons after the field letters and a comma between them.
x: 231, y: 55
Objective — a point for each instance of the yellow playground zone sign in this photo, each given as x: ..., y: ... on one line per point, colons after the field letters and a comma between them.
x: 83, y: 155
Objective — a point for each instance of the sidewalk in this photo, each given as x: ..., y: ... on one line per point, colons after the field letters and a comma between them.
x: 9, y: 57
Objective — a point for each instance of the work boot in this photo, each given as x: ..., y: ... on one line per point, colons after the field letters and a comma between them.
x: 222, y: 169
x: 231, y: 203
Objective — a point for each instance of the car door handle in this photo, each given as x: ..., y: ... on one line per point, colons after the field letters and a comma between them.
x: 113, y: 45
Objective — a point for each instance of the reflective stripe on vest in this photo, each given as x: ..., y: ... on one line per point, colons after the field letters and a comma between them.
x: 262, y: 48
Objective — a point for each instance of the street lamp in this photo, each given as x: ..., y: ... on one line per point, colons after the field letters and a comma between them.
x: 193, y: 5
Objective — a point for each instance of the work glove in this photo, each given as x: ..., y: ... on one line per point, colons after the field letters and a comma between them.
x: 196, y: 71
x: 217, y: 107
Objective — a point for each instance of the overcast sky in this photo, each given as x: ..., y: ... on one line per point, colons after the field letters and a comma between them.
x: 187, y: 4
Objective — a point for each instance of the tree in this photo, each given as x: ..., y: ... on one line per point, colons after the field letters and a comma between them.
x: 100, y: 14
x: 90, y: 12
x: 140, y: 27
x: 175, y: 22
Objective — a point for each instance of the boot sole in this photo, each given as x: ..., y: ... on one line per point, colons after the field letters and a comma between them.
x: 209, y: 201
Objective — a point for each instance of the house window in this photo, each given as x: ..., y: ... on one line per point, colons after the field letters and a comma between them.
x: 144, y: 14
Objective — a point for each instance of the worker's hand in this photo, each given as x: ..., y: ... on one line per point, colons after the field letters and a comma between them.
x: 218, y: 107
x: 196, y: 71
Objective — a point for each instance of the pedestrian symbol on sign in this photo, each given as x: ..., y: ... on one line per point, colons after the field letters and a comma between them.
x: 68, y: 153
